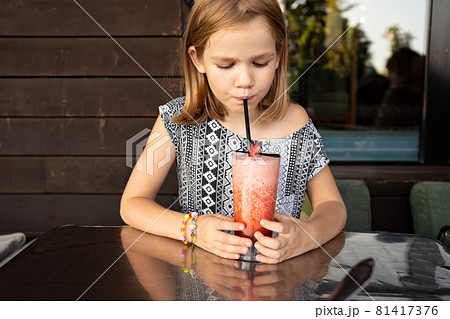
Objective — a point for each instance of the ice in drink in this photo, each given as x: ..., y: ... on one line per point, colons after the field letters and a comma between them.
x: 255, y: 182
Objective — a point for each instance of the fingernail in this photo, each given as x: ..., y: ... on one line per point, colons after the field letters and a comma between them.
x: 256, y: 245
x: 241, y: 227
x: 262, y: 222
x: 236, y: 256
x: 244, y: 250
x: 249, y: 244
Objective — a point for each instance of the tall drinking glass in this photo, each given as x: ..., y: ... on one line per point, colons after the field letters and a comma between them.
x: 255, y: 183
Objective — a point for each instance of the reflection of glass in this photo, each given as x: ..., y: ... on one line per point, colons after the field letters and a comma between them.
x: 356, y: 92
x: 156, y: 264
x: 255, y: 182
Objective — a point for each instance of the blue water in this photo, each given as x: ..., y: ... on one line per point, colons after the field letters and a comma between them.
x: 371, y: 145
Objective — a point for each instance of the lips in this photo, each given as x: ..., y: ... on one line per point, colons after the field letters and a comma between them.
x: 241, y: 98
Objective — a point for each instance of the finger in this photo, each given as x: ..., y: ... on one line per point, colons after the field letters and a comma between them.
x: 225, y: 250
x: 232, y: 273
x: 229, y: 224
x: 224, y: 254
x: 266, y: 268
x: 228, y: 251
x: 234, y: 293
x: 281, y: 217
x: 224, y: 217
x: 268, y: 255
x: 267, y: 260
x: 221, y: 262
x: 273, y: 225
x: 272, y: 243
x: 266, y: 279
x: 266, y: 291
x: 230, y: 239
x: 232, y: 281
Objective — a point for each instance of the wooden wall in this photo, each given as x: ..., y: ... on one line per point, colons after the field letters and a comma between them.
x: 70, y: 97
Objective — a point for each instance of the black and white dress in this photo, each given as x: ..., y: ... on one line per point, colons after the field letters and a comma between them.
x: 203, y: 158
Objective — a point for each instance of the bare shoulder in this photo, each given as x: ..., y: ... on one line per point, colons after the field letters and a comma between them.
x: 296, y: 117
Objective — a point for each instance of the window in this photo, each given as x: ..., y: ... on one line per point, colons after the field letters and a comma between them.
x: 358, y: 67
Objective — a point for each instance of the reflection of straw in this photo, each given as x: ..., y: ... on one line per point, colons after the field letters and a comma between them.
x: 247, y: 124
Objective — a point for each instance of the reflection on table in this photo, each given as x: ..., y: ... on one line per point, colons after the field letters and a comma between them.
x: 122, y: 263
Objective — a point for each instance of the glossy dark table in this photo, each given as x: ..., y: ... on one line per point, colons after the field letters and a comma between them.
x: 97, y: 263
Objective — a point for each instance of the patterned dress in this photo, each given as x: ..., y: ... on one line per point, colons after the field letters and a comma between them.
x: 203, y: 158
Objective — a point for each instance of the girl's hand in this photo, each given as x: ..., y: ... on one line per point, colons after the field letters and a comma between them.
x: 210, y: 237
x: 293, y: 239
x: 279, y: 280
x: 223, y: 275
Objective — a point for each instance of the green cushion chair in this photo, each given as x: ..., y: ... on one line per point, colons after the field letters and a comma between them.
x: 430, y: 207
x: 356, y: 197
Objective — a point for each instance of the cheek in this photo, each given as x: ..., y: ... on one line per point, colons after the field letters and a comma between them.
x: 267, y: 77
x: 219, y: 79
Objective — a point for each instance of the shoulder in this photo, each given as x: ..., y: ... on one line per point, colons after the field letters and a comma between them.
x: 167, y: 112
x: 173, y: 107
x: 295, y: 118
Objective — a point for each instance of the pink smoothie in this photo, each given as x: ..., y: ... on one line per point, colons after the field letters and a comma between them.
x: 255, y: 182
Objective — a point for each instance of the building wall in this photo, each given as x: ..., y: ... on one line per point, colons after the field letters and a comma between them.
x: 71, y: 97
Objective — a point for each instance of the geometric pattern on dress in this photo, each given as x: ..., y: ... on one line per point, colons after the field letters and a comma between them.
x: 203, y: 159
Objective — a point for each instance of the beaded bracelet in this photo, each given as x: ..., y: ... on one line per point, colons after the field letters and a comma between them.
x: 183, y: 228
x: 186, y: 270
x: 193, y: 226
x: 192, y: 271
x: 182, y: 258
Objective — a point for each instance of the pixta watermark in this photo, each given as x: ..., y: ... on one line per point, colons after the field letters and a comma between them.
x: 151, y: 143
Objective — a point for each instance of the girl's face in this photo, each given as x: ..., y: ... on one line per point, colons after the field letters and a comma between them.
x: 239, y: 63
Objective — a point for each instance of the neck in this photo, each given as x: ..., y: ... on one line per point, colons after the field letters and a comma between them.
x: 235, y: 122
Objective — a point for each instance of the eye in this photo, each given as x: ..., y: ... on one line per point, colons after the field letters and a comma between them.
x: 260, y: 65
x: 228, y: 66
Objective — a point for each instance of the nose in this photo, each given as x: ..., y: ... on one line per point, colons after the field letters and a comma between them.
x: 244, y: 77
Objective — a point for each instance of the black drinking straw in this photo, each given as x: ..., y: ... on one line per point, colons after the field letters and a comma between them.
x: 247, y: 124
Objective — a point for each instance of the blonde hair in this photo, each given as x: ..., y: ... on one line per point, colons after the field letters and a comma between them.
x: 210, y: 16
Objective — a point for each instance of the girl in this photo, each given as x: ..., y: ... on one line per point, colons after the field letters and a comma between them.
x: 235, y: 50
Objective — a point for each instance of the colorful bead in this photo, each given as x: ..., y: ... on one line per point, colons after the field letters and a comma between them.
x: 193, y: 226
x: 186, y: 270
x: 183, y: 228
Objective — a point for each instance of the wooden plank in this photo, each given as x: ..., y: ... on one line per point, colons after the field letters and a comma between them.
x: 35, y: 214
x: 81, y: 175
x: 95, y: 175
x: 74, y: 97
x: 75, y: 136
x: 88, y: 57
x: 22, y: 175
x: 66, y: 18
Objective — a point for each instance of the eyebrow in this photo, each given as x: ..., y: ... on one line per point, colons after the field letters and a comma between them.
x: 259, y: 56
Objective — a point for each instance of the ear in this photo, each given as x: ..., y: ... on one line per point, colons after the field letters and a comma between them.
x: 196, y: 60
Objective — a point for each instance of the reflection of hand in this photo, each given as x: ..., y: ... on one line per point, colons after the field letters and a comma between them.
x: 210, y: 236
x: 223, y: 275
x: 152, y: 259
x: 279, y: 280
x: 292, y: 239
